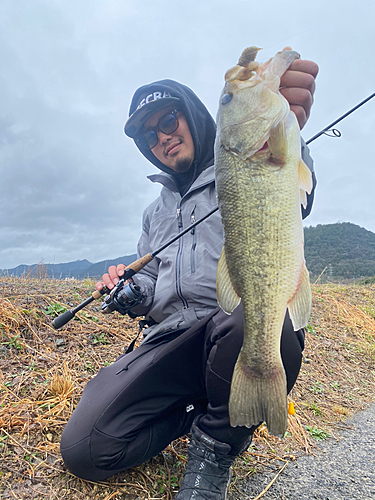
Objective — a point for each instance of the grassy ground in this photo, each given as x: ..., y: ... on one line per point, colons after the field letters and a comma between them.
x: 43, y: 373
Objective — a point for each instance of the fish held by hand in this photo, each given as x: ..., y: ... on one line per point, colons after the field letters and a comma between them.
x: 261, y: 183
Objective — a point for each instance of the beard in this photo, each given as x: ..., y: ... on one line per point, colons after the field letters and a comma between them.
x: 183, y: 164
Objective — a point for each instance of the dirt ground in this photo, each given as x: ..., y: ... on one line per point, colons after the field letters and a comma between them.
x: 340, y: 469
x: 43, y: 373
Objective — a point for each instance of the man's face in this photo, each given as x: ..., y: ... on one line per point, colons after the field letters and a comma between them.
x: 175, y: 150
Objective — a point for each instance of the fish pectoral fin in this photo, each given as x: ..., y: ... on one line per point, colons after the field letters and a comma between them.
x: 277, y: 144
x: 227, y: 297
x: 300, y: 305
x: 305, y: 182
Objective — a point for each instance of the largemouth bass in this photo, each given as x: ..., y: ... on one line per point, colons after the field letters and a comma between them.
x: 261, y: 182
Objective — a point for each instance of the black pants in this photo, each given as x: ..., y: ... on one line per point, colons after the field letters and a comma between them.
x: 135, y: 407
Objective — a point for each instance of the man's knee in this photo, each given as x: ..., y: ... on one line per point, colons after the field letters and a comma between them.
x: 77, y: 459
x: 99, y: 455
x: 87, y: 452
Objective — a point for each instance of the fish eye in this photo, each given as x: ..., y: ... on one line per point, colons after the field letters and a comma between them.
x: 226, y: 98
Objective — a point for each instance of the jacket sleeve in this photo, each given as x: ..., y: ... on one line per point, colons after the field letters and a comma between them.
x: 305, y: 154
x: 146, y: 278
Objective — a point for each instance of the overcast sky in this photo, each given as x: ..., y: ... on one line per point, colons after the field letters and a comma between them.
x: 73, y: 186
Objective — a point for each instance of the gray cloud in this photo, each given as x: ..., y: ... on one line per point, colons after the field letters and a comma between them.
x: 73, y: 186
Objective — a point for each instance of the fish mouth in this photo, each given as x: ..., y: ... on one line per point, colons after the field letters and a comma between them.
x: 171, y: 148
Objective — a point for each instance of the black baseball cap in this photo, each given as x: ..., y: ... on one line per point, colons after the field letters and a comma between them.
x: 146, y: 104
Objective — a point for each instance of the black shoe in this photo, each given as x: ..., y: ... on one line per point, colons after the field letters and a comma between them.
x: 208, y: 471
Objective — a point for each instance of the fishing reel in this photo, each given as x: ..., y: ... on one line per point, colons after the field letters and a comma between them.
x: 122, y: 298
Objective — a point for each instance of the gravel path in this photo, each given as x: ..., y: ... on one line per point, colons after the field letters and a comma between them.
x: 341, y: 470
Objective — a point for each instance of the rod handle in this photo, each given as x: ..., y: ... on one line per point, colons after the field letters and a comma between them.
x: 139, y: 264
x: 62, y: 319
x: 98, y: 293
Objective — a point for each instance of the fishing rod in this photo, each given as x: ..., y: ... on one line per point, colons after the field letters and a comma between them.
x: 337, y: 133
x: 124, y: 295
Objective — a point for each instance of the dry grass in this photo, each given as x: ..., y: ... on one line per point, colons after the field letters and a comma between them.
x: 43, y: 373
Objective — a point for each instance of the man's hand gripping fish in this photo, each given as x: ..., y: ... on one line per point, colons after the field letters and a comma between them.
x: 261, y: 182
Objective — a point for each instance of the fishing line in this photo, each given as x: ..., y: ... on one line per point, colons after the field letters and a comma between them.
x: 323, y: 143
x: 313, y: 27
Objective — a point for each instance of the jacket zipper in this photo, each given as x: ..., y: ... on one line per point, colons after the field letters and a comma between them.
x: 178, y: 264
x: 180, y: 246
x: 194, y: 245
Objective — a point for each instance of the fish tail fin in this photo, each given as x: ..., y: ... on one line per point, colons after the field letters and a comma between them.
x: 227, y: 297
x: 254, y: 400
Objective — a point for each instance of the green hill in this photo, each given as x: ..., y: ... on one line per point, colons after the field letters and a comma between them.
x: 346, y: 250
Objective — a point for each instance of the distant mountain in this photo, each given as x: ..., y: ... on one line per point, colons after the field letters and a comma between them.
x: 343, y: 250
x: 67, y: 270
x: 346, y: 250
x: 96, y: 270
x: 75, y: 269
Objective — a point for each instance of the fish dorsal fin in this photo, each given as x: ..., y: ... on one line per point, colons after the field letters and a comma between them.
x: 227, y: 297
x: 248, y: 56
x: 305, y: 182
x: 300, y: 305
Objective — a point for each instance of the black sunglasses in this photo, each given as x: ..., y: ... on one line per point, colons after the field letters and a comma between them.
x: 167, y: 124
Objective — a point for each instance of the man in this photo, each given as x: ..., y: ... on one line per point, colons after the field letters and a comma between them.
x: 178, y: 380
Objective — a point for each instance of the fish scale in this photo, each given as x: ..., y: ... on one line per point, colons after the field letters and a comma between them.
x: 261, y: 180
